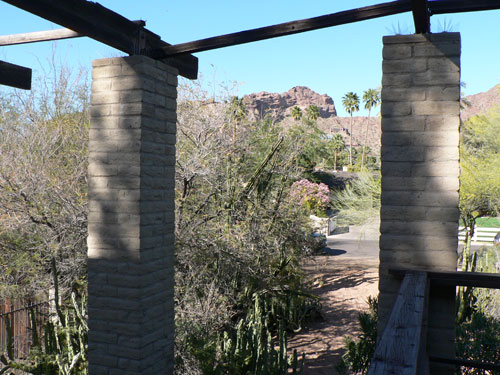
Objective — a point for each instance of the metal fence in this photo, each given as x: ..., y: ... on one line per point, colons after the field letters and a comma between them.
x: 17, y: 313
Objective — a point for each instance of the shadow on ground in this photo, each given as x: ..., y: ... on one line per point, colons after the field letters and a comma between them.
x: 344, y: 285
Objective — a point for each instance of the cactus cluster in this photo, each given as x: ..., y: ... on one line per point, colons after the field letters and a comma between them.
x: 63, y: 348
x: 252, y: 349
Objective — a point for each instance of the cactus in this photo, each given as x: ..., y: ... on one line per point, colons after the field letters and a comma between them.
x: 251, y: 350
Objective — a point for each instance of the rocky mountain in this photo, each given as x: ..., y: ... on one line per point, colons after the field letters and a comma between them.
x: 280, y: 105
x: 480, y: 103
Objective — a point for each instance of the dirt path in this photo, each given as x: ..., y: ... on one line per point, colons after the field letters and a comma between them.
x: 344, y: 285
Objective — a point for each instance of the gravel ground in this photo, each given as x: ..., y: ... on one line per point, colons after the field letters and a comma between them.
x: 344, y: 285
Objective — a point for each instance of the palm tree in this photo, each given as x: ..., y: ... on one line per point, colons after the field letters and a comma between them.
x: 296, y: 113
x: 337, y: 144
x: 371, y: 98
x: 312, y: 112
x: 350, y: 101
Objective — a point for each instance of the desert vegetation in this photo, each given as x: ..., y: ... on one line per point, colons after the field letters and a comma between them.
x: 244, y: 192
x: 241, y: 231
x: 477, y: 317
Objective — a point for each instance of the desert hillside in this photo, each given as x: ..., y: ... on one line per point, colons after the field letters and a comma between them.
x: 280, y: 106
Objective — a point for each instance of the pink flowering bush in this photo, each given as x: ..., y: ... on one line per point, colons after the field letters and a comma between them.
x: 313, y: 197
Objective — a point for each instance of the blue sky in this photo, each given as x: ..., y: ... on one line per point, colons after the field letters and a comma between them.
x: 332, y: 61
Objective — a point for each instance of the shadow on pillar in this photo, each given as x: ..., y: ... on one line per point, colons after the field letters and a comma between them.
x: 420, y: 174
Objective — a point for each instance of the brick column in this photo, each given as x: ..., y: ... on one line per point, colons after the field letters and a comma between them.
x: 131, y: 216
x: 420, y: 171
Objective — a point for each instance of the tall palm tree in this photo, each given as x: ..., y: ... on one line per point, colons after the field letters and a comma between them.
x: 312, y: 112
x: 337, y: 144
x: 350, y: 101
x: 296, y: 113
x: 371, y: 98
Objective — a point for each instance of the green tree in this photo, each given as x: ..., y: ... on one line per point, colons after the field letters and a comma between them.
x: 336, y: 144
x: 296, y: 113
x: 350, y: 101
x: 312, y: 112
x: 479, y: 186
x: 371, y: 98
x: 239, y: 239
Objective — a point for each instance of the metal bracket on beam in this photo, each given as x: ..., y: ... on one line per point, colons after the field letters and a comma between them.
x: 421, y: 16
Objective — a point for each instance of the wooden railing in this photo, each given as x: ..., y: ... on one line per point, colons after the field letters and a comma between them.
x: 402, y: 346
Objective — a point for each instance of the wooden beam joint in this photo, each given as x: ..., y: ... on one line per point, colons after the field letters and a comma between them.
x: 99, y: 23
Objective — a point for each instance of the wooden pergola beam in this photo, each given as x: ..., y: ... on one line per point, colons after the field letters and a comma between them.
x: 450, y: 278
x: 15, y: 76
x: 458, y: 6
x: 288, y: 28
x: 421, y: 16
x: 44, y: 36
x: 38, y: 36
x: 99, y: 23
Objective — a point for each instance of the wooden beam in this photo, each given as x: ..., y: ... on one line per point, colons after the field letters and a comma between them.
x: 15, y: 76
x: 44, y: 36
x: 450, y: 278
x: 421, y: 16
x: 457, y: 6
x: 288, y: 28
x: 399, y: 347
x: 467, y: 363
x: 38, y: 36
x: 94, y: 20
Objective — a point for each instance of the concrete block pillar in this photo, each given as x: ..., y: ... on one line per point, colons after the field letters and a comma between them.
x: 420, y: 172
x: 131, y: 217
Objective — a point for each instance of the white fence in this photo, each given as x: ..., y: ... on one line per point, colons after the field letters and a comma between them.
x: 481, y: 235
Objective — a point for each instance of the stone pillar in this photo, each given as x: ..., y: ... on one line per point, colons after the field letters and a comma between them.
x: 131, y: 217
x: 420, y: 171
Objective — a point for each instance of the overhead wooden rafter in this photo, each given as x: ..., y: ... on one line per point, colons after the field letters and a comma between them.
x: 44, y: 36
x: 422, y: 10
x: 85, y: 18
x: 94, y: 20
x: 15, y: 76
x: 38, y: 36
x: 421, y: 16
x: 458, y: 6
x: 288, y: 28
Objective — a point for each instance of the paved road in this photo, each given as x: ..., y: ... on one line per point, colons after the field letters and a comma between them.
x: 360, y: 241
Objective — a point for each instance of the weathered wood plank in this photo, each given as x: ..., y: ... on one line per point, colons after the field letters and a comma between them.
x: 421, y: 16
x: 38, y: 36
x: 44, y: 36
x: 15, y: 76
x: 450, y: 278
x: 399, y: 346
x: 467, y: 363
x: 456, y: 6
x: 94, y: 20
x: 289, y: 28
